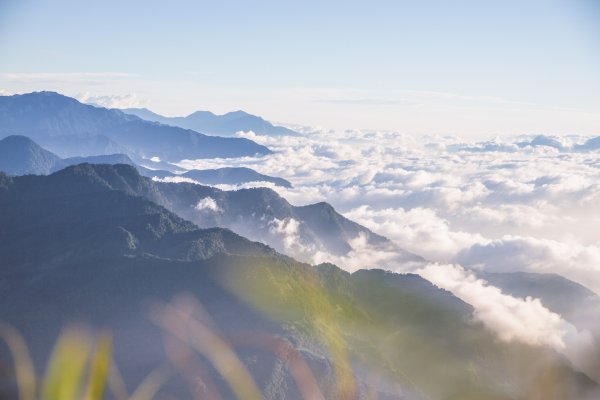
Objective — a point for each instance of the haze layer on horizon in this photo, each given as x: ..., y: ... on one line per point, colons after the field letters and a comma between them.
x: 430, y: 67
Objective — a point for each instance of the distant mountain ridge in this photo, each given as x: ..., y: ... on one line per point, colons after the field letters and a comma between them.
x: 69, y: 128
x: 19, y: 155
x: 221, y: 125
x: 574, y: 302
x: 233, y: 176
x: 559, y: 143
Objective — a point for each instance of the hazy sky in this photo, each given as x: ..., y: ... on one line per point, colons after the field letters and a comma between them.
x: 428, y: 66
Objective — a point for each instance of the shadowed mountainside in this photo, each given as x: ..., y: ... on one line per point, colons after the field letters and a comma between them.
x: 82, y: 246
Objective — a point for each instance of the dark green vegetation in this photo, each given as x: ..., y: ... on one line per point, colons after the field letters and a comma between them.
x: 94, y: 209
x: 252, y: 213
x: 88, y: 245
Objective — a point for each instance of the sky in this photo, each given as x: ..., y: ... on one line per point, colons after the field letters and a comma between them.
x: 463, y: 67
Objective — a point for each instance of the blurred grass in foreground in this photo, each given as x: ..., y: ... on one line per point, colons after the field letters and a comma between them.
x: 80, y: 368
x: 366, y: 325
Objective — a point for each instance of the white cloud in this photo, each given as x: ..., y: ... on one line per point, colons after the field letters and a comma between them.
x: 420, y: 231
x: 574, y: 261
x: 364, y: 255
x: 288, y: 231
x: 496, y: 205
x: 208, y: 204
x: 431, y: 199
x: 526, y: 320
x: 516, y: 319
x: 174, y: 179
x: 111, y: 101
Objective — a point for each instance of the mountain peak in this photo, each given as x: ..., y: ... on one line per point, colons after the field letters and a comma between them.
x: 93, y: 211
x: 71, y: 128
x: 238, y: 113
x: 19, y: 155
x: 227, y: 124
x: 121, y: 169
x: 112, y: 176
x: 46, y: 95
x: 233, y: 176
x: 201, y: 113
x: 18, y: 140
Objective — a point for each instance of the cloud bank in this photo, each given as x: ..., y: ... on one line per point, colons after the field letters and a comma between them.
x: 112, y: 101
x: 516, y: 319
x: 525, y: 203
x: 532, y: 208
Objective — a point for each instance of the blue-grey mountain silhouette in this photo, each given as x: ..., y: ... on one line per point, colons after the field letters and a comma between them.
x: 68, y: 128
x: 591, y: 144
x: 221, y: 125
x: 232, y: 176
x: 20, y: 155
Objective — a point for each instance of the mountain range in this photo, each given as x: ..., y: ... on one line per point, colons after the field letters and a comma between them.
x: 268, y: 219
x: 96, y: 230
x: 221, y: 125
x: 81, y: 246
x: 69, y: 128
x: 261, y: 214
x: 257, y: 213
x: 233, y: 176
x: 19, y: 155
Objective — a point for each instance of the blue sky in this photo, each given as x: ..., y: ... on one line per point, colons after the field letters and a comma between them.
x: 469, y: 67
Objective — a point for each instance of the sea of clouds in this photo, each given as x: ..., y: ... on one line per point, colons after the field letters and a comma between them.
x: 511, y: 204
x: 529, y: 208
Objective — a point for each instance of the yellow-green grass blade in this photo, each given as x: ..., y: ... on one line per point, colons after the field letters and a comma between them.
x: 66, y: 368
